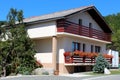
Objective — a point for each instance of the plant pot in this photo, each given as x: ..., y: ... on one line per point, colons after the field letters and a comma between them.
x: 56, y: 72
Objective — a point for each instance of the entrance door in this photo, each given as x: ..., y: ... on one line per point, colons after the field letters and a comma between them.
x: 79, y: 69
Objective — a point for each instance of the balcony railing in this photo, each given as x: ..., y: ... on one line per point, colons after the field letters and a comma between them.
x: 78, y: 59
x: 84, y: 57
x: 70, y: 27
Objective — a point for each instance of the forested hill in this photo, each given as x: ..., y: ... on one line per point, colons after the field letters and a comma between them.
x: 114, y: 22
x: 2, y: 22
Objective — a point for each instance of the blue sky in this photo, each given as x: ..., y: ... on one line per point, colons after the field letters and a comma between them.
x: 40, y: 7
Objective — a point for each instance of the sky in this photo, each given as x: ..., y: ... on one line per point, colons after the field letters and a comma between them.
x: 41, y: 7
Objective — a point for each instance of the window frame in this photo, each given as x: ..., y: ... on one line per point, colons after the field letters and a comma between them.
x: 84, y: 47
x: 76, y: 46
x: 92, y: 48
x: 90, y: 25
x: 80, y: 22
x: 97, y: 49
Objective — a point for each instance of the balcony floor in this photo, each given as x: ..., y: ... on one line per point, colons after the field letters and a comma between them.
x: 78, y: 64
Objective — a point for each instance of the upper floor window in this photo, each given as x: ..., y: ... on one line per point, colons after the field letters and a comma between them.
x: 75, y: 46
x: 80, y: 21
x: 97, y: 49
x: 90, y: 25
x: 84, y: 47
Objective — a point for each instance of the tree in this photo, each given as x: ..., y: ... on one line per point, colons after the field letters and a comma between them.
x: 100, y: 64
x: 113, y: 21
x: 4, y: 50
x: 19, y: 52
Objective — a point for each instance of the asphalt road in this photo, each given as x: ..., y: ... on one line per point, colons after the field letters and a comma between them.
x: 31, y: 77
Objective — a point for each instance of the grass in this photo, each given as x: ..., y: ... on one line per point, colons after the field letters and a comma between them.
x: 95, y: 74
x: 113, y: 72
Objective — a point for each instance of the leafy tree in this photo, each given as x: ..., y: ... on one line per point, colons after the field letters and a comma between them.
x: 114, y: 20
x: 4, y: 50
x: 100, y: 64
x: 18, y: 51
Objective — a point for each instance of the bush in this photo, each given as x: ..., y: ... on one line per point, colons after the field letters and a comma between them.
x: 24, y: 70
x: 100, y: 64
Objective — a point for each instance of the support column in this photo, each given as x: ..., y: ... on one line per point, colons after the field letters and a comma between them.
x: 54, y: 54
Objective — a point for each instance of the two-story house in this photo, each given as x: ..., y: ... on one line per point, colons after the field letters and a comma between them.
x: 53, y: 34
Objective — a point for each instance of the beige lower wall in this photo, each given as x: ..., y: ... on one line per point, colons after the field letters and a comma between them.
x: 65, y: 69
x: 61, y: 67
x: 47, y: 65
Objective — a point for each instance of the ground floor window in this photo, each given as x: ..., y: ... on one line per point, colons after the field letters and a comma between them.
x: 97, y: 49
x: 75, y: 46
x: 84, y: 47
x: 92, y: 48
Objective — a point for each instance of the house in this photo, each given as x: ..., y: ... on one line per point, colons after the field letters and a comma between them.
x: 81, y: 29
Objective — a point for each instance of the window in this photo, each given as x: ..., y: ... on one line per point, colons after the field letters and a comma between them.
x: 84, y: 47
x: 80, y: 21
x: 97, y: 49
x: 92, y: 48
x: 90, y: 25
x: 75, y: 46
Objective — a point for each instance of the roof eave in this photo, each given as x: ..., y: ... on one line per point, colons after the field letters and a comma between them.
x: 100, y: 17
x: 45, y: 20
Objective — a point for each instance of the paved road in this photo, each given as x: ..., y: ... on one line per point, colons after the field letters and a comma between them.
x: 110, y: 77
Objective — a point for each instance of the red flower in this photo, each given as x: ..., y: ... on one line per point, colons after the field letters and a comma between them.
x: 67, y: 54
x: 107, y: 56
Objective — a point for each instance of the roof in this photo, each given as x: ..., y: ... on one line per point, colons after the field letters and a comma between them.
x: 94, y: 13
x: 56, y: 14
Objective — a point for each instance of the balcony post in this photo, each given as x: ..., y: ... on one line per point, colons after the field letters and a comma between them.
x: 80, y: 30
x: 54, y: 54
x: 90, y: 32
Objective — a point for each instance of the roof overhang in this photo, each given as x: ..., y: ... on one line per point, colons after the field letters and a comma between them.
x: 95, y: 14
x: 45, y: 20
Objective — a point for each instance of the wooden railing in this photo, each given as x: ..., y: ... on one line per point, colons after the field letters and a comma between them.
x: 70, y: 27
x: 78, y: 59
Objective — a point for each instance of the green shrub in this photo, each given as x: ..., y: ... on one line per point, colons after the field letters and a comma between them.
x: 100, y: 64
x: 24, y: 70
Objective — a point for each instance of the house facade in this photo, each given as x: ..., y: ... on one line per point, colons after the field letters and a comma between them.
x: 82, y: 29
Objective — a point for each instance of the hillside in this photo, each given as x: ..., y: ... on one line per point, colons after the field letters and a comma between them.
x: 114, y: 22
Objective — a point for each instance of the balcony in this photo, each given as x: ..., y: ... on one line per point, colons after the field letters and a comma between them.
x: 83, y: 58
x: 73, y: 28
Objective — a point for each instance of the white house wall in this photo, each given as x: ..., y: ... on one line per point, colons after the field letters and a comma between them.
x: 44, y: 50
x: 65, y: 44
x: 45, y: 29
x: 43, y: 45
x: 61, y: 49
x: 86, y: 19
x: 88, y: 43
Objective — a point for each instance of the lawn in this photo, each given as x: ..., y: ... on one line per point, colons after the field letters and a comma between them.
x: 113, y: 72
